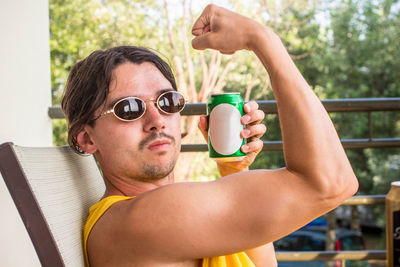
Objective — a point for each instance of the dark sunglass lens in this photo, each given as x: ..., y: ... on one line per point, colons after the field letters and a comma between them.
x: 129, y: 109
x: 171, y: 102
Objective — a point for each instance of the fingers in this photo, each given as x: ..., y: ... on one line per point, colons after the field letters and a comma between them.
x: 253, y: 114
x: 202, y: 29
x: 254, y: 131
x: 254, y: 146
x: 252, y: 105
x: 253, y: 134
x: 208, y: 40
x: 216, y: 28
x: 202, y: 42
x: 228, y: 52
x: 202, y: 25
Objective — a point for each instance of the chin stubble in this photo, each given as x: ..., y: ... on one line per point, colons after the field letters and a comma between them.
x: 153, y: 172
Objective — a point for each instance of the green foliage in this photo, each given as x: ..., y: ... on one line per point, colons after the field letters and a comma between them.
x: 60, y: 137
x: 363, y: 52
x: 78, y: 27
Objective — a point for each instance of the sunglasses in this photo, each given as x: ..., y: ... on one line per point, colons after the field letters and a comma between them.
x: 133, y: 108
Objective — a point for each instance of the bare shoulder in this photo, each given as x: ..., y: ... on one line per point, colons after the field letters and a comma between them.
x: 161, y: 225
x: 115, y: 240
x: 105, y: 243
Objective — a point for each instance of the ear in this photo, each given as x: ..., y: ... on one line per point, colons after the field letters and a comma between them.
x: 85, y: 142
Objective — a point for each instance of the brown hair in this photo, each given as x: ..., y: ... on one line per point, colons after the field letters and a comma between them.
x: 88, y: 83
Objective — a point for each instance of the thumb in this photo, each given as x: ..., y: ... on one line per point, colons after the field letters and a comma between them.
x: 203, y: 127
x: 202, y: 42
x: 200, y: 29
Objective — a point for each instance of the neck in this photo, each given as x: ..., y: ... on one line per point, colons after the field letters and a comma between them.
x: 131, y: 187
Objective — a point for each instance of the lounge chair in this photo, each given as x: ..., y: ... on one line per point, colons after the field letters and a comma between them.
x: 53, y: 188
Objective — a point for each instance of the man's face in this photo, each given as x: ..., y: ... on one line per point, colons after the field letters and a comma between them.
x: 145, y: 149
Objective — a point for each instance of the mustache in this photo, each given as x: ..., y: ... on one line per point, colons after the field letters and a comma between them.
x: 154, y: 136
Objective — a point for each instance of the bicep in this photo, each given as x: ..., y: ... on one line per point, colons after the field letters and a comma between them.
x: 196, y: 220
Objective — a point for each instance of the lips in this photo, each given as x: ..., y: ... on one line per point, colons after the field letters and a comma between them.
x: 155, y: 137
x: 159, y: 144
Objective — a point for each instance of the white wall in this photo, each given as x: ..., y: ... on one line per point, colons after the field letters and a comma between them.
x: 25, y: 96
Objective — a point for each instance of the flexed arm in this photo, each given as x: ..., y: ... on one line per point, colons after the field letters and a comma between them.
x: 311, y: 145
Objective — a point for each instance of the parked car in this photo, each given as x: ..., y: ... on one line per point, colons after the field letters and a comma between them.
x: 313, y: 238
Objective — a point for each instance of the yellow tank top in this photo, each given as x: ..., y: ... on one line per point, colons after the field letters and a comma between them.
x: 97, y: 210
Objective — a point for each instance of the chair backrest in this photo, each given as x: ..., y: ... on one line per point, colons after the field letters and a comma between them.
x: 53, y: 188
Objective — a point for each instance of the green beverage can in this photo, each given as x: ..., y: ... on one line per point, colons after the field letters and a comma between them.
x: 224, y: 113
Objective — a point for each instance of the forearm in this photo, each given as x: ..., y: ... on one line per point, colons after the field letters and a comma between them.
x: 310, y: 143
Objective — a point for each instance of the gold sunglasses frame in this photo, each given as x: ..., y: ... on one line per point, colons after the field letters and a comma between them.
x: 154, y: 100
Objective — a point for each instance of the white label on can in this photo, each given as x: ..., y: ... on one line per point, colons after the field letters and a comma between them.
x: 225, y: 128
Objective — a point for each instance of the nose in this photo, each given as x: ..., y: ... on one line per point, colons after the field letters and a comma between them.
x: 154, y: 120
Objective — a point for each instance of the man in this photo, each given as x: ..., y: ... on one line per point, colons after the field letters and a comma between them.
x: 144, y: 218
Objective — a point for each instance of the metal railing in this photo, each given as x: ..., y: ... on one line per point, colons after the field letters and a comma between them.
x: 270, y: 107
x: 365, y: 200
x: 342, y: 256
x: 332, y: 105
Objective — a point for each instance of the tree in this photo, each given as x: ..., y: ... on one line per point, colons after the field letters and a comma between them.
x: 363, y: 51
x: 78, y: 27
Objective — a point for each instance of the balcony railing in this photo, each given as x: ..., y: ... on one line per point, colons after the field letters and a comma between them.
x: 332, y: 105
x: 269, y: 106
x: 342, y: 256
